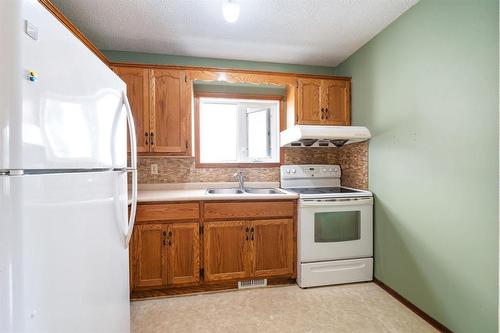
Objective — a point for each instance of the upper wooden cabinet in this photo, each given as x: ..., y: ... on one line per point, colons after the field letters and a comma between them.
x: 323, y: 102
x: 309, y: 102
x: 160, y: 102
x: 336, y: 102
x: 169, y: 111
x: 137, y: 80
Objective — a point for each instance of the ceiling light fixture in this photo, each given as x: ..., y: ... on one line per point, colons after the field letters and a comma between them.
x: 231, y: 11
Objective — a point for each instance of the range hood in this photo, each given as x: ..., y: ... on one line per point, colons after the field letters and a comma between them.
x: 322, y: 136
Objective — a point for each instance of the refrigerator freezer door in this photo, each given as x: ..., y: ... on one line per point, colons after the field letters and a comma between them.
x: 63, y: 108
x: 63, y: 262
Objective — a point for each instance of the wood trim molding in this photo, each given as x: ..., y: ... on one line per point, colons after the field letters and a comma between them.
x: 196, y: 110
x: 238, y: 96
x: 195, y: 289
x: 64, y: 20
x: 433, y: 322
x: 199, y: 69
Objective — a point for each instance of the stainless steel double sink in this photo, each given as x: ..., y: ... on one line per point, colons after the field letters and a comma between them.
x: 247, y: 190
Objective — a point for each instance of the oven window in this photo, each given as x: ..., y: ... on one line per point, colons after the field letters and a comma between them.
x: 336, y: 226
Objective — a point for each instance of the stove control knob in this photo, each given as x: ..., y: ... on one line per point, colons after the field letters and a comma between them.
x: 293, y: 170
x: 336, y: 170
x: 324, y: 169
x: 287, y: 170
x: 330, y: 170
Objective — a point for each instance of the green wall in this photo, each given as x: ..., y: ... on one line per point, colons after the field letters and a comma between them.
x: 150, y: 58
x: 427, y: 88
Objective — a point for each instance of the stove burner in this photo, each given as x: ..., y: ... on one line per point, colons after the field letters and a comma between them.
x: 339, y: 142
x: 308, y: 142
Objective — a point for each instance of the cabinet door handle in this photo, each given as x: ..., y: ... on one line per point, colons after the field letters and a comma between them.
x: 151, y: 140
x: 170, y: 238
x: 326, y: 113
x: 146, y: 135
x: 322, y: 113
x: 246, y: 232
x: 164, y: 237
x: 252, y: 231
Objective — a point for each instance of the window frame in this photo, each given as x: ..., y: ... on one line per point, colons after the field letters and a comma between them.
x: 199, y: 164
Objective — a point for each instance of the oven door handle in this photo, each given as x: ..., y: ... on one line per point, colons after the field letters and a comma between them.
x: 335, y: 202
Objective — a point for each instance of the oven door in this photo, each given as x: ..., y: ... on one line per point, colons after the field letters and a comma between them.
x: 331, y: 229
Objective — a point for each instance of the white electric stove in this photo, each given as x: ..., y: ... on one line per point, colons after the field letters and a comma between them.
x: 335, y: 226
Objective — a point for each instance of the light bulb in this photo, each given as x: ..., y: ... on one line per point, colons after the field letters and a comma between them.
x: 231, y: 11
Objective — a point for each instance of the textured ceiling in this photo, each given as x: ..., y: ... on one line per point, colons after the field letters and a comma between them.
x: 310, y: 32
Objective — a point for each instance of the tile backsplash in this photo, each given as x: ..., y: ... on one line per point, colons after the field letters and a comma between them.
x: 352, y: 158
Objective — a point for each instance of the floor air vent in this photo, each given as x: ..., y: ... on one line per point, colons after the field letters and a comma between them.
x: 252, y: 284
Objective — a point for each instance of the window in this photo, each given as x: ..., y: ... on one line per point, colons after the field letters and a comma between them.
x: 237, y: 130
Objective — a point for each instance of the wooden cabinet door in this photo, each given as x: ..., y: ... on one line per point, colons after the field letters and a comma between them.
x: 309, y: 102
x: 273, y: 250
x: 137, y: 80
x: 183, y: 253
x: 169, y: 111
x: 335, y: 99
x: 226, y: 250
x: 149, y: 255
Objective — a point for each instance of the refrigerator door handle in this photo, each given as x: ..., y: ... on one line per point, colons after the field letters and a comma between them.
x: 132, y: 169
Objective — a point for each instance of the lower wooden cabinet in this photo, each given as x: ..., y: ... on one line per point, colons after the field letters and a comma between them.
x: 148, y: 255
x: 273, y: 247
x: 193, y: 244
x: 165, y: 254
x: 183, y: 253
x: 246, y: 249
x: 227, y: 250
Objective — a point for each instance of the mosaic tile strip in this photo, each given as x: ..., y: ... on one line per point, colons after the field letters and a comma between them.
x: 352, y: 158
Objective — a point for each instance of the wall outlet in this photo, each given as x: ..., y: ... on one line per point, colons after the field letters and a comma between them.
x: 154, y: 169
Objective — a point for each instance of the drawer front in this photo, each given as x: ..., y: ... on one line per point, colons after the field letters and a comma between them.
x: 335, y: 272
x: 166, y: 212
x: 256, y: 209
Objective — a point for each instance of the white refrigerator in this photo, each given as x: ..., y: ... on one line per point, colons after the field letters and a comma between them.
x: 64, y: 224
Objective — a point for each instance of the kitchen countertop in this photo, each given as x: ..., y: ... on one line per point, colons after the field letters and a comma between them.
x: 197, y: 191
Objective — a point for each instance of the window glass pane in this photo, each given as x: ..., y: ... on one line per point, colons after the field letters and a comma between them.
x: 336, y: 226
x: 238, y: 130
x: 258, y: 133
x: 218, y: 132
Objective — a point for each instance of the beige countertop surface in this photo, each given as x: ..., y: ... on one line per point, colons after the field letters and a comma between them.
x: 197, y: 191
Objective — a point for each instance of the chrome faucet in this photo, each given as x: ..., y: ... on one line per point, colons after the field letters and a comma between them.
x: 241, y: 179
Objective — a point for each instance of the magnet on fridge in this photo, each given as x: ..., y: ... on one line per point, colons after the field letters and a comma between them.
x: 33, y: 76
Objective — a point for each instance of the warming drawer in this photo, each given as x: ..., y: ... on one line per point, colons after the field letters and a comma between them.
x: 335, y: 272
